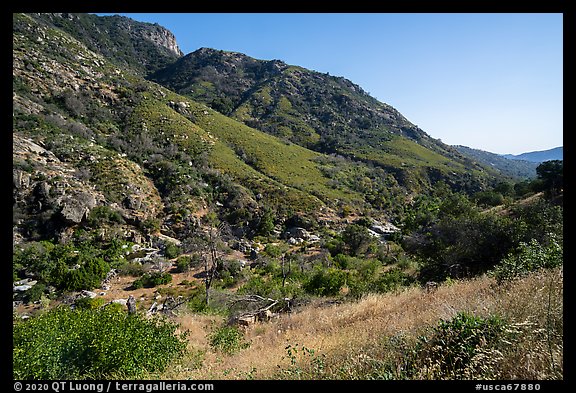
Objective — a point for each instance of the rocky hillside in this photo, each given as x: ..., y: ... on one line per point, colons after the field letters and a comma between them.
x: 52, y: 196
x: 72, y: 109
x: 142, y: 46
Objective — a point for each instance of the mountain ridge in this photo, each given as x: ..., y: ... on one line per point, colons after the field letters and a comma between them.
x: 556, y: 153
x: 324, y: 113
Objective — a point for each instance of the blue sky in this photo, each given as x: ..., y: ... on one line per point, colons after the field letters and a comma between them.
x: 490, y: 81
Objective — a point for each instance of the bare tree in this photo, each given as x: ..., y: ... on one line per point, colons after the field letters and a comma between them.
x: 210, y: 257
x: 210, y: 254
x: 286, y: 270
x: 258, y: 308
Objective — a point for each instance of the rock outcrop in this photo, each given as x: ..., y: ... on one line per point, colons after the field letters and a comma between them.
x: 144, y: 46
x: 76, y: 206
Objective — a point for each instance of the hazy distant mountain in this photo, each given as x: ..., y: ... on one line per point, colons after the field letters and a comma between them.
x: 515, y: 168
x: 556, y: 153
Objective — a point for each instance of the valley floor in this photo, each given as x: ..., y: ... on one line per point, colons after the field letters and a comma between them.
x: 367, y: 338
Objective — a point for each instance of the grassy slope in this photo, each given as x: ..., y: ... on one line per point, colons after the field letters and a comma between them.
x: 307, y: 108
x: 261, y: 161
x: 355, y: 340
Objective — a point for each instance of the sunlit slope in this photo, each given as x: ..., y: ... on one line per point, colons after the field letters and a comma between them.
x: 323, y: 113
x: 261, y: 162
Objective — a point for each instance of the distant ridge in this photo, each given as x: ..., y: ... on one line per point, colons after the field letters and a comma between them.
x: 514, y: 168
x: 556, y: 153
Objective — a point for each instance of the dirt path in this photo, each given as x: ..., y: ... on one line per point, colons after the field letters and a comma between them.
x: 121, y: 286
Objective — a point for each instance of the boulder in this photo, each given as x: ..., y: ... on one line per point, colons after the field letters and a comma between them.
x: 169, y: 239
x: 25, y: 281
x: 77, y: 206
x: 384, y: 228
x: 314, y: 239
x: 298, y: 232
x: 21, y: 288
x: 89, y: 294
x: 374, y: 234
x: 295, y: 241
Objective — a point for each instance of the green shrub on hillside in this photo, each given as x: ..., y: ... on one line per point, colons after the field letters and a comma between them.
x: 88, y: 276
x: 390, y: 281
x: 183, y: 264
x: 271, y: 287
x: 463, y: 347
x: 357, y: 238
x: 172, y: 251
x: 101, y: 215
x: 266, y: 222
x: 326, y: 282
x: 529, y: 257
x: 35, y: 293
x: 73, y: 266
x: 228, y: 340
x: 91, y: 303
x: 151, y: 280
x: 488, y: 198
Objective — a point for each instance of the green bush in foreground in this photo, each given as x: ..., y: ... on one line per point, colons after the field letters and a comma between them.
x: 93, y: 344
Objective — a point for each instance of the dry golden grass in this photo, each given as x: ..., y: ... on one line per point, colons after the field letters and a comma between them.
x: 353, y: 339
